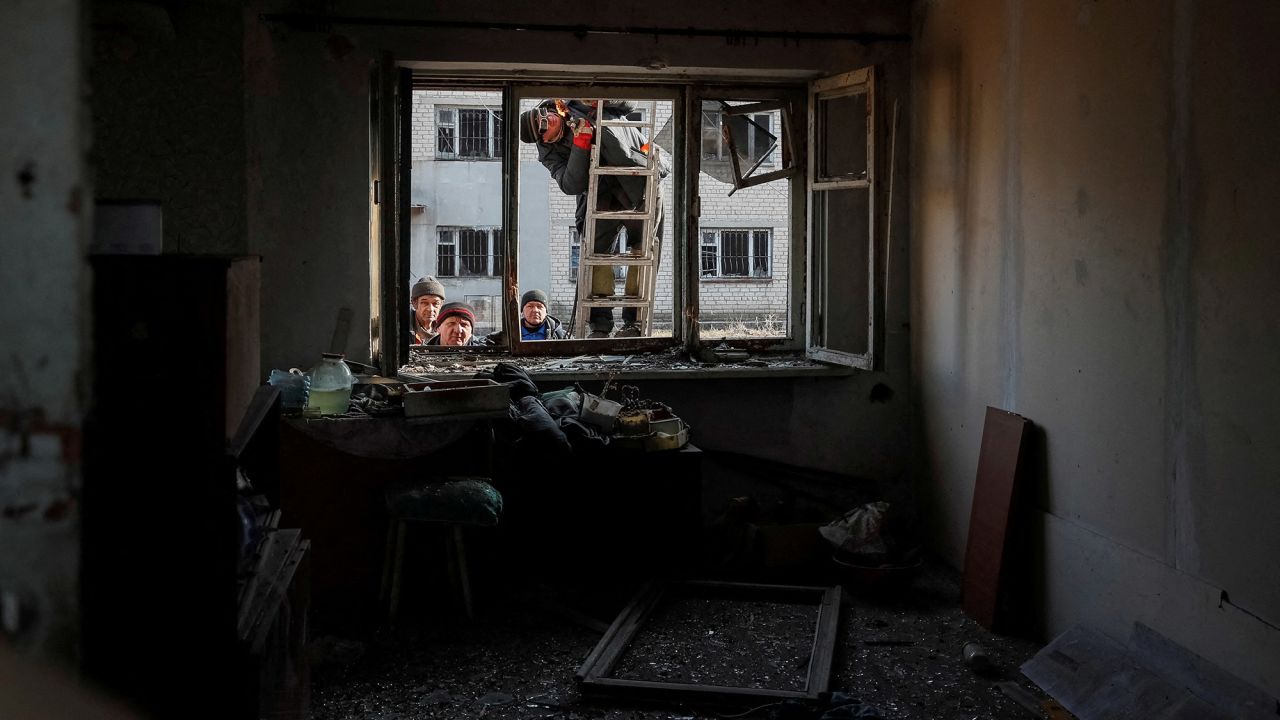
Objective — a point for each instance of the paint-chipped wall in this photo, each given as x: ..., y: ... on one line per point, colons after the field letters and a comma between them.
x: 44, y: 212
x: 1092, y: 248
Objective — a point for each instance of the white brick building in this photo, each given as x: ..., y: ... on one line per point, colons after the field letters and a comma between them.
x: 457, y: 216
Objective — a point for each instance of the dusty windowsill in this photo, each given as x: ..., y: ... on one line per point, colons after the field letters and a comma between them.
x: 670, y: 365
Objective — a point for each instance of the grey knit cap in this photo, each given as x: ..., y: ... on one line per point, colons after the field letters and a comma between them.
x: 532, y: 295
x: 426, y: 286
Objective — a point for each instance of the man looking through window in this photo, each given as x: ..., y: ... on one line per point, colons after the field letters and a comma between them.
x: 535, y: 323
x: 566, y: 153
x: 453, y: 326
x: 426, y: 300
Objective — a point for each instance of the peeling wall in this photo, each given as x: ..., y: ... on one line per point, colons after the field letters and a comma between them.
x: 1091, y: 248
x: 44, y: 213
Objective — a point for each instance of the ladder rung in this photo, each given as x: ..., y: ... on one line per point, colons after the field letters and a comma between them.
x: 630, y: 301
x: 618, y: 260
x: 621, y: 215
x: 608, y: 170
x: 624, y: 123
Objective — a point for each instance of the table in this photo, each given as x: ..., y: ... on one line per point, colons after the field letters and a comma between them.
x: 332, y: 478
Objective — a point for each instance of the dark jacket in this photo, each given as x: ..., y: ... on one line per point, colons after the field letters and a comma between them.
x: 569, y: 165
x: 555, y: 331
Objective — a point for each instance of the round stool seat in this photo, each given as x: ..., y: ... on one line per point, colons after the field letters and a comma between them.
x: 454, y: 501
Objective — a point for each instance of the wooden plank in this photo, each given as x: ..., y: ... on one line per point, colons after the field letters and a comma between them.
x: 610, y: 648
x: 645, y: 690
x: 999, y: 464
x: 824, y: 644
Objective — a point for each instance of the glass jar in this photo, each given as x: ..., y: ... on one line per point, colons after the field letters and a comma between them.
x: 331, y: 383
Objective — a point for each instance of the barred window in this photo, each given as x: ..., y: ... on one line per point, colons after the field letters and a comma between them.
x: 736, y: 253
x: 468, y: 133
x: 468, y: 252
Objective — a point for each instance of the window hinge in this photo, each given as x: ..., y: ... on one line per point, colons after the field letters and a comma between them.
x: 377, y: 192
x: 695, y: 208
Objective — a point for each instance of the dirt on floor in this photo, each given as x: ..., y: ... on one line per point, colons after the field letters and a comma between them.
x: 902, y: 654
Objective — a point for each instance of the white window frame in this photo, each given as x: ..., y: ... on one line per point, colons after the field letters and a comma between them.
x: 493, y: 136
x: 717, y: 242
x: 447, y: 236
x: 823, y: 277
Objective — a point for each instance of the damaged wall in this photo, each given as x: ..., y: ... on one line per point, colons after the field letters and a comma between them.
x: 1092, y: 249
x: 44, y: 213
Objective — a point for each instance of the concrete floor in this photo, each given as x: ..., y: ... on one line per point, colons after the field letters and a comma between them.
x: 517, y: 659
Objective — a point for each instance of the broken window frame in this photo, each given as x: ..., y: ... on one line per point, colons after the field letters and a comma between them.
x: 788, y: 167
x: 720, y: 150
x: 594, y: 675
x: 819, y: 272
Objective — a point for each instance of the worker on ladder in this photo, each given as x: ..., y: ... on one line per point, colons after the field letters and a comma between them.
x: 564, y: 132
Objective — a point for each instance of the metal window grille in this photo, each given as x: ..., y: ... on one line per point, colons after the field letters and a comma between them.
x: 735, y: 253
x: 473, y: 252
x: 469, y: 252
x: 468, y: 133
x: 760, y: 253
x: 446, y: 253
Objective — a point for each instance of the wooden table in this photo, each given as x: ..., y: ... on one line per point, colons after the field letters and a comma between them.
x: 333, y: 473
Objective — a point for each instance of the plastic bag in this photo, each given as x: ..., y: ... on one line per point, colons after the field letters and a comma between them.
x: 859, y: 532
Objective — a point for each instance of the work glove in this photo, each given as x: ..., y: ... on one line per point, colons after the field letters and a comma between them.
x: 582, y: 132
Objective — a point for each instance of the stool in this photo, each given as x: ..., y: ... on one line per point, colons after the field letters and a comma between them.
x: 451, y: 503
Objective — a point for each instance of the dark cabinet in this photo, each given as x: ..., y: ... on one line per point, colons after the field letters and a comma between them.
x: 175, y: 362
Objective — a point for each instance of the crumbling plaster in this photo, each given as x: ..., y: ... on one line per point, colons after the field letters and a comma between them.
x: 44, y: 213
x: 1091, y: 249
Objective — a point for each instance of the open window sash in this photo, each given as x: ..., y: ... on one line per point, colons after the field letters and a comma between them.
x: 843, y: 298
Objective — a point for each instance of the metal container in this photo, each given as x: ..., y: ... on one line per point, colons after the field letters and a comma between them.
x: 455, y: 397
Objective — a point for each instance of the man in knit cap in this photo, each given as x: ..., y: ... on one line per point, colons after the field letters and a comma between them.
x: 535, y: 323
x: 453, y: 326
x: 426, y: 300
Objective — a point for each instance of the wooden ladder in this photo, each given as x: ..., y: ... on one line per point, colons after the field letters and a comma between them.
x: 648, y: 252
